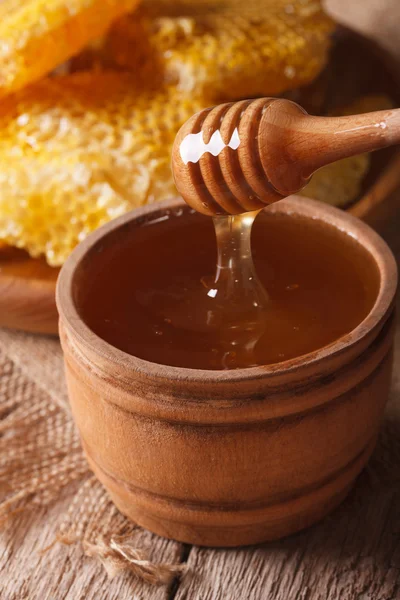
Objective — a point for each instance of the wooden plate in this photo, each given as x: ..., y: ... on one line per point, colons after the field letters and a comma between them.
x: 356, y: 68
x: 27, y: 292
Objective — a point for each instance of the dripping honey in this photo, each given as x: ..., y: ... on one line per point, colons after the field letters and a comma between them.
x: 150, y: 294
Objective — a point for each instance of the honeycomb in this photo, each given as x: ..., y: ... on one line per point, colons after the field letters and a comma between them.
x: 223, y: 50
x: 79, y: 150
x: 339, y: 183
x: 38, y: 35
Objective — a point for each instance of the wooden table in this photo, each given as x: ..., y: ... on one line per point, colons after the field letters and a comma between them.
x: 352, y: 554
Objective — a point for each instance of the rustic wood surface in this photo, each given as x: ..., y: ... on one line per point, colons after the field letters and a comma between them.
x: 354, y: 554
x: 62, y: 572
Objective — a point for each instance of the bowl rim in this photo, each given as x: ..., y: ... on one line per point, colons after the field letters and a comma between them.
x: 342, y: 221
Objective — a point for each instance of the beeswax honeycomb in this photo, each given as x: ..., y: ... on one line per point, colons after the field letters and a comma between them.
x: 38, y: 35
x: 338, y: 183
x: 224, y: 50
x: 79, y: 150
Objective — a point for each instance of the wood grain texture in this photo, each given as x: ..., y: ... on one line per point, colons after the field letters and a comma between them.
x: 291, y: 433
x: 255, y: 152
x: 64, y: 573
x: 353, y: 554
x: 27, y: 292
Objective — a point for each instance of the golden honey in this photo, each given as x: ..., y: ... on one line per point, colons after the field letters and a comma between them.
x: 152, y: 297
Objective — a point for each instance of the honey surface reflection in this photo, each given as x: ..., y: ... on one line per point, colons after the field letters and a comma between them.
x: 155, y: 295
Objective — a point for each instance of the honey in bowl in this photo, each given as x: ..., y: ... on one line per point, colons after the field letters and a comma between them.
x: 149, y: 295
x: 239, y: 456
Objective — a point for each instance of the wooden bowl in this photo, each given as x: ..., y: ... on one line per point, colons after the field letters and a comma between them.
x: 226, y: 458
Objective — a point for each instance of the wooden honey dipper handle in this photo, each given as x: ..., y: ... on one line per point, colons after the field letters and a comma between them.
x: 242, y: 156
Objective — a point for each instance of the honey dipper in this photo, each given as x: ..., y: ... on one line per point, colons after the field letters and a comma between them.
x: 242, y: 156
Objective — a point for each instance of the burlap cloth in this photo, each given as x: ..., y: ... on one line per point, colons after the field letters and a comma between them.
x: 40, y: 452
x: 41, y: 455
